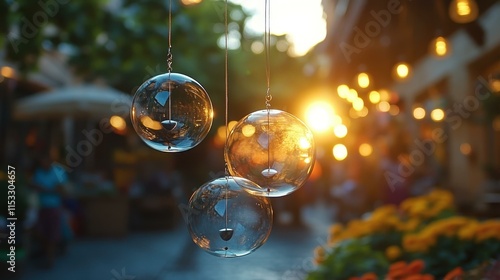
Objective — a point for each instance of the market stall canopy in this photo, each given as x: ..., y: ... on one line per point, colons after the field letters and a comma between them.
x: 81, y: 101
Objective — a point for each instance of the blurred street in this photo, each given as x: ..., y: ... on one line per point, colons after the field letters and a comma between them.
x: 161, y: 255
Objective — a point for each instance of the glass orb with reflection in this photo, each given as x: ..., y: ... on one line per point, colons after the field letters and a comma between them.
x: 171, y: 112
x: 226, y: 221
x: 275, y: 151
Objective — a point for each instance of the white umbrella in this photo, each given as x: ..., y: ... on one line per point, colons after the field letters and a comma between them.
x: 82, y: 101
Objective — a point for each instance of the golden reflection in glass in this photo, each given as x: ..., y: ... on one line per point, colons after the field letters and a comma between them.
x: 278, y: 156
x: 150, y: 123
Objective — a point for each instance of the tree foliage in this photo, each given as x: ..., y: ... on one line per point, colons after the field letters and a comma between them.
x: 127, y: 43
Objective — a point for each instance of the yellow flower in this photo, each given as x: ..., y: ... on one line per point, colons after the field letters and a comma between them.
x: 468, y: 231
x: 415, y: 243
x: 336, y: 229
x: 319, y: 254
x: 409, y: 225
x: 392, y: 252
x: 383, y: 212
x: 488, y: 229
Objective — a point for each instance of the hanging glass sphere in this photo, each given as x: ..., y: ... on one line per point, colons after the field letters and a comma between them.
x: 226, y: 221
x: 275, y: 151
x: 171, y: 112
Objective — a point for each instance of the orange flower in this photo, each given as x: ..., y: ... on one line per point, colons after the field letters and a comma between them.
x: 427, y: 277
x: 415, y: 267
x: 369, y: 276
x: 454, y: 274
x: 397, y: 270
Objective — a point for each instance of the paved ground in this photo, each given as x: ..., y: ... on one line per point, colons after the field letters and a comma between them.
x: 171, y: 254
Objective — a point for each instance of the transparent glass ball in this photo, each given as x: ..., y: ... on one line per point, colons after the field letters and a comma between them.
x: 171, y: 112
x: 275, y: 151
x: 227, y: 221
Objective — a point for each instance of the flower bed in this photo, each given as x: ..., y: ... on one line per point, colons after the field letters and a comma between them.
x: 423, y: 238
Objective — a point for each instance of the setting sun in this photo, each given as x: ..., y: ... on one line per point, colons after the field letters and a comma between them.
x: 303, y: 23
x: 319, y: 116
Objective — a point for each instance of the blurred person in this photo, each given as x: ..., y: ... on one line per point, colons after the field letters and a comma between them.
x: 49, y: 181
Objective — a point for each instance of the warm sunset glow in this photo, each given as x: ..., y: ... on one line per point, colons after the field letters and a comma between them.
x: 319, y: 116
x: 303, y: 24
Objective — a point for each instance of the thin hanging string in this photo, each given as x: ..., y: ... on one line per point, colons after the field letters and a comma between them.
x: 169, y: 59
x: 226, y: 85
x: 267, y: 45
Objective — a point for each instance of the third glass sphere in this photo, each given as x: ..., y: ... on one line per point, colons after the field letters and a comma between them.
x: 272, y: 148
x: 227, y: 221
x: 171, y: 112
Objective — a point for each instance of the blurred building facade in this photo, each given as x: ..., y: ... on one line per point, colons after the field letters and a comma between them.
x: 462, y: 80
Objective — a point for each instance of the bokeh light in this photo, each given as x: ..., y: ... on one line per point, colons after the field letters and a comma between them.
x: 340, y: 131
x: 437, y: 115
x: 419, y: 113
x: 343, y: 91
x: 440, y: 46
x: 384, y: 106
x: 465, y: 149
x: 363, y: 80
x: 340, y: 152
x: 365, y: 149
x: 402, y: 70
x: 374, y: 97
x: 118, y: 123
